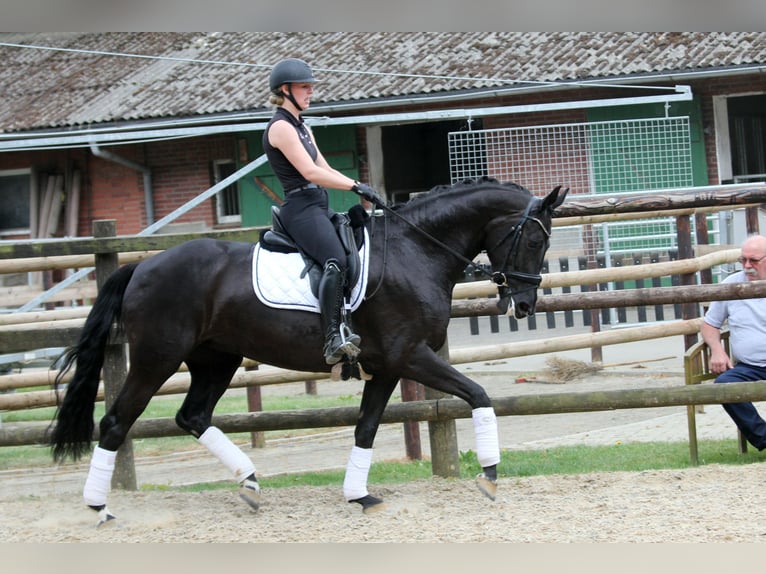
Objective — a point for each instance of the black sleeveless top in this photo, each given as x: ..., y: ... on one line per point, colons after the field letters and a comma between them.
x: 288, y: 176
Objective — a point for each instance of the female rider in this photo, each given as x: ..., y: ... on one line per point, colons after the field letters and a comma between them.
x: 305, y: 174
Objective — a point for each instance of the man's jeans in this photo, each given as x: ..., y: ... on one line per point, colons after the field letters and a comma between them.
x: 745, y: 415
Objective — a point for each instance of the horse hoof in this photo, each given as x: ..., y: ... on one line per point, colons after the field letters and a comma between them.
x: 374, y: 508
x: 487, y: 487
x: 370, y: 504
x: 105, y: 517
x: 250, y: 492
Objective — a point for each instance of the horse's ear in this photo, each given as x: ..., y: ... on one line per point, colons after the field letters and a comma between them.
x: 555, y: 198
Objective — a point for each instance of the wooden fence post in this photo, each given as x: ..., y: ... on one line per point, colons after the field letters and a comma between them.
x: 412, y: 391
x: 751, y: 220
x: 589, y: 241
x: 445, y: 457
x: 689, y: 310
x: 703, y: 238
x: 115, y: 363
x: 255, y: 404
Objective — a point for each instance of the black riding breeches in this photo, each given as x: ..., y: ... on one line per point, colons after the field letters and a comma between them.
x: 306, y: 217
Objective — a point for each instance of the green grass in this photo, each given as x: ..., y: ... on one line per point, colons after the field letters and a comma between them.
x: 562, y: 460
x: 167, y: 406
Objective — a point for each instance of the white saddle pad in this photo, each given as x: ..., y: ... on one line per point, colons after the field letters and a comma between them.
x: 277, y: 280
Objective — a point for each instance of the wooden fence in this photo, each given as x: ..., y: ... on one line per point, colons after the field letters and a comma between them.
x: 445, y: 410
x: 642, y: 313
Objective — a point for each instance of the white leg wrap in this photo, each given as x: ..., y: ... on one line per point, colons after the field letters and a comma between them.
x: 99, y: 480
x: 355, y: 481
x: 232, y: 457
x: 487, y: 442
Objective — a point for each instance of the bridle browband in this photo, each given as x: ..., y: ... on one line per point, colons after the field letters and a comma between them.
x: 498, y: 277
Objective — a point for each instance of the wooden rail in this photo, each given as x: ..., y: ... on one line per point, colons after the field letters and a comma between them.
x: 440, y: 409
x: 431, y: 410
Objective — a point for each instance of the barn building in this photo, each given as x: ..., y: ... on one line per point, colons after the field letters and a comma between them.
x: 135, y: 126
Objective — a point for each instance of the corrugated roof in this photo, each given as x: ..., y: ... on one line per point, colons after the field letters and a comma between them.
x: 59, y: 89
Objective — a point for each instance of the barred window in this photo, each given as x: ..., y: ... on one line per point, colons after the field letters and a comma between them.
x: 226, y: 200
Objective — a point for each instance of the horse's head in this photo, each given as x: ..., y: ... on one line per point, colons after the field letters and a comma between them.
x: 516, y: 247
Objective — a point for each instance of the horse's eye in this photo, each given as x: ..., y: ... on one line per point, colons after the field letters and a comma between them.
x: 534, y: 244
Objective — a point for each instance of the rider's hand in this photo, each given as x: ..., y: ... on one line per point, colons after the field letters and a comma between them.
x: 365, y: 191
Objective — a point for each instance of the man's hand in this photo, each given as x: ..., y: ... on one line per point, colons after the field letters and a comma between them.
x: 719, y: 361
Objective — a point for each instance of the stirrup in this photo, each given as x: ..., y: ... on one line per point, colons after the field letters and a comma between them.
x: 349, y: 345
x: 347, y: 336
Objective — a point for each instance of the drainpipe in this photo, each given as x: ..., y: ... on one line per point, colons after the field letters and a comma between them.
x: 148, y: 190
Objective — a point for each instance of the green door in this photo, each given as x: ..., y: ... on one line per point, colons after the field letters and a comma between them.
x: 260, y: 189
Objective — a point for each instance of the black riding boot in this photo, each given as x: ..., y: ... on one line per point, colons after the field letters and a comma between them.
x: 339, y: 340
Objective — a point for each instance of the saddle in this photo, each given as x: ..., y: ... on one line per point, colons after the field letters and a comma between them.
x: 350, y: 229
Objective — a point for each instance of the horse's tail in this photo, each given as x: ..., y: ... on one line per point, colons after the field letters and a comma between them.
x: 73, y: 430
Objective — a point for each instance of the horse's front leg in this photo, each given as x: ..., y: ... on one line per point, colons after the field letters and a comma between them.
x: 428, y: 368
x: 377, y: 392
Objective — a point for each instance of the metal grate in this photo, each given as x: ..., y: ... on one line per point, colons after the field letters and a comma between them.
x: 597, y: 157
x: 625, y: 156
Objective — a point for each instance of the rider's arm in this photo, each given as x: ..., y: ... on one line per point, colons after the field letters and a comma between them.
x: 283, y: 136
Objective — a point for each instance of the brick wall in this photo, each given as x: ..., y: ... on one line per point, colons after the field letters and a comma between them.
x: 181, y: 170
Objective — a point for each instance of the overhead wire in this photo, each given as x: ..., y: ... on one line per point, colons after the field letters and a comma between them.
x: 440, y: 77
x: 93, y: 131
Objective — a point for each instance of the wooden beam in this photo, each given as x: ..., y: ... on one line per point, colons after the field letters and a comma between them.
x: 657, y: 201
x: 431, y: 410
x: 624, y: 298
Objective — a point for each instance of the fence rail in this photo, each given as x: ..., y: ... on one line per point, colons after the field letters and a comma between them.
x: 448, y: 409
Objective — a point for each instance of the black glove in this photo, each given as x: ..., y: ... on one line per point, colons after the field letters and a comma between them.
x: 365, y: 191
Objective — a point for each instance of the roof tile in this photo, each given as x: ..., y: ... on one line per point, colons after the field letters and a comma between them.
x: 218, y: 73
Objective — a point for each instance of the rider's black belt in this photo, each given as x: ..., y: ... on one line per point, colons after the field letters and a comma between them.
x: 302, y: 187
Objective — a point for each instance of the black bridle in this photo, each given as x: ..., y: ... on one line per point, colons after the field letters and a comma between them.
x: 500, y: 278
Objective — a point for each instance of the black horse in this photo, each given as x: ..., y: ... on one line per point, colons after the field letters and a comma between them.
x: 195, y: 303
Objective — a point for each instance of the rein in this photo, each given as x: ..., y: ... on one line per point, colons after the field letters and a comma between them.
x: 497, y: 277
x: 385, y: 255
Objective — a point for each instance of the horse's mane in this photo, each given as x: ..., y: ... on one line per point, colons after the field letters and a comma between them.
x: 466, y: 184
x: 418, y: 205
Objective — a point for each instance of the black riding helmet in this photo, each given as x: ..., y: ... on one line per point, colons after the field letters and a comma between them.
x: 290, y: 71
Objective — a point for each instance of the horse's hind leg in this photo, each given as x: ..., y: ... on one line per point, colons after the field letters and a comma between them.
x: 139, y: 387
x: 376, y: 394
x: 211, y: 373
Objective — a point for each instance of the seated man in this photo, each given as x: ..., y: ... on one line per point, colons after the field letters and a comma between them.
x: 747, y: 337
